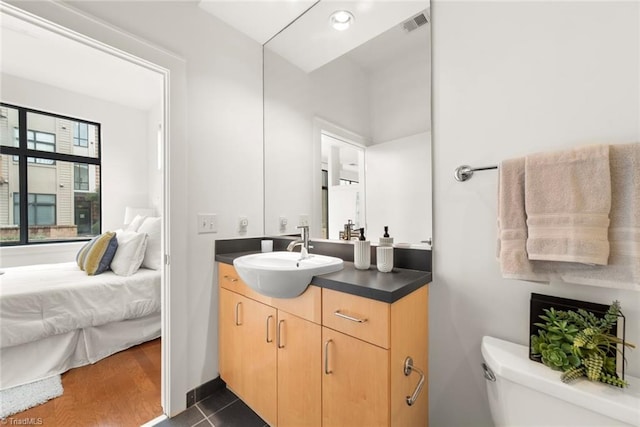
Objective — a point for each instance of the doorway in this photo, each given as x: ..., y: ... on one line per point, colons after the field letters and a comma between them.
x: 109, y: 68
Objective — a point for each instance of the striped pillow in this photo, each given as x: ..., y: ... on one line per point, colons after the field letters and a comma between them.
x: 95, y: 257
x: 82, y: 253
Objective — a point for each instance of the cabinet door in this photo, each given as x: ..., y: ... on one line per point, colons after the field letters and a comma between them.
x: 355, y: 382
x: 230, y: 340
x: 247, y: 352
x: 258, y: 358
x: 299, y: 375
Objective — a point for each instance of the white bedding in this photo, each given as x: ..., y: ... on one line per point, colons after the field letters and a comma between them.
x: 25, y: 363
x: 50, y: 299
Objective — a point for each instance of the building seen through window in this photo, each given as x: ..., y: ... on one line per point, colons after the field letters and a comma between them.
x: 49, y: 177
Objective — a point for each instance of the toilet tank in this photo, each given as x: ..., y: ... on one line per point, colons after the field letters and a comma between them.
x: 527, y: 393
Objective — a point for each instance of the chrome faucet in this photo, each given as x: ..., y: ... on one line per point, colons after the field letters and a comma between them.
x: 349, y: 232
x: 303, y: 243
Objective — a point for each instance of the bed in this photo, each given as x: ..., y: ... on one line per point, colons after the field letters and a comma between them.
x: 54, y: 317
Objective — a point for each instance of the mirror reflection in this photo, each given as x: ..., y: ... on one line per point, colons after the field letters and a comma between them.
x: 347, y: 123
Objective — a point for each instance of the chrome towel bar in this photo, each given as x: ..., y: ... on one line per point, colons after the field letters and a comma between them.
x: 465, y: 172
x: 408, y: 368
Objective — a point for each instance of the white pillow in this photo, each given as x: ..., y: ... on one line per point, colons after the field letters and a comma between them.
x: 136, y: 223
x: 130, y: 253
x: 152, y: 256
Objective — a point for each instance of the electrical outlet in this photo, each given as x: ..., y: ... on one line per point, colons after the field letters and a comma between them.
x: 243, y: 224
x: 304, y: 220
x: 207, y: 223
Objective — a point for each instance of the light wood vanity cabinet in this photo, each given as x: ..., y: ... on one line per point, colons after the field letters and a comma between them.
x: 365, y: 346
x: 249, y: 327
x: 268, y: 356
x: 326, y: 358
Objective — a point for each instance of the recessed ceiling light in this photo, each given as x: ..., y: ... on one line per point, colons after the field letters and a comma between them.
x: 341, y: 19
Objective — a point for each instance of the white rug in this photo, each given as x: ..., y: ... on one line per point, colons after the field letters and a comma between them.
x: 17, y: 399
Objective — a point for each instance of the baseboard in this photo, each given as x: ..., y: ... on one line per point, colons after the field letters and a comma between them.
x: 204, y: 390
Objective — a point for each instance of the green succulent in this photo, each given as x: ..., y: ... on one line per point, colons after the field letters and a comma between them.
x: 613, y: 380
x: 559, y: 357
x: 579, y: 344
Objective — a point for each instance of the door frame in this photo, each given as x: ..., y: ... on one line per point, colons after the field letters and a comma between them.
x: 163, y: 161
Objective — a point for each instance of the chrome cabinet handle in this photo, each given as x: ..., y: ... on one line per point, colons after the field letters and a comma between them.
x: 408, y: 368
x: 279, y: 334
x: 326, y: 357
x: 269, y: 317
x: 353, y: 319
x: 230, y: 278
x: 237, y: 316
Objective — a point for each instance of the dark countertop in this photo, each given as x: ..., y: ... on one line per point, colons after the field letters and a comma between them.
x: 385, y: 287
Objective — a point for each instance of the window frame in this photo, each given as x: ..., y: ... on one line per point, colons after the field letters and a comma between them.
x: 77, y: 139
x: 36, y: 204
x: 76, y: 181
x: 24, y: 153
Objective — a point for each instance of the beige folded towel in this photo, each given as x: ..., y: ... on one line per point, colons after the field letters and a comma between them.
x: 512, y: 224
x: 567, y: 202
x: 623, y: 270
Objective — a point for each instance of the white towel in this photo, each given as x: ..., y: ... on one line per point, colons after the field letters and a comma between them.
x: 567, y: 201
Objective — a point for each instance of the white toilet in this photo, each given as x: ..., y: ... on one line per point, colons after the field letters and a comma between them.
x: 526, y: 393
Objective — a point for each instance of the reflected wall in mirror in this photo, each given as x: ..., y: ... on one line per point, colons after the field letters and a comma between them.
x: 347, y: 122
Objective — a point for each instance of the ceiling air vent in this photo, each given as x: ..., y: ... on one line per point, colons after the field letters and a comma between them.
x: 417, y: 21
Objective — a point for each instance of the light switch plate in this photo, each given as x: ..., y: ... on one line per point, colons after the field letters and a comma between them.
x: 207, y: 223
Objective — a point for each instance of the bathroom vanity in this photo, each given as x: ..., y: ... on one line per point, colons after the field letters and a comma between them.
x: 351, y: 350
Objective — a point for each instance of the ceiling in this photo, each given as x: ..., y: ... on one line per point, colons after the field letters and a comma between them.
x: 260, y: 20
x: 34, y: 53
x: 41, y: 55
x: 310, y: 42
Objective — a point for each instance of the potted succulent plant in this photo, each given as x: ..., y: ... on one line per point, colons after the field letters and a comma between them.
x: 580, y: 344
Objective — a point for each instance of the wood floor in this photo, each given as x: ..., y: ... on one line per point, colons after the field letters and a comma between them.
x: 120, y: 391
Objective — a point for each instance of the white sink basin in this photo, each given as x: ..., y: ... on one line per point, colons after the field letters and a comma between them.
x: 283, y: 274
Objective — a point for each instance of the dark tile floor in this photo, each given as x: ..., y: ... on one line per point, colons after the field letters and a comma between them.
x: 221, y: 409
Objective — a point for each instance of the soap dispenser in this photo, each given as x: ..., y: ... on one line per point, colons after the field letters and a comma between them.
x: 384, y: 252
x: 362, y: 252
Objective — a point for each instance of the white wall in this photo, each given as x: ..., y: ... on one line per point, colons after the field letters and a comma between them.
x: 398, y: 176
x: 340, y: 95
x: 511, y: 78
x: 288, y: 153
x: 124, y: 130
x: 401, y: 97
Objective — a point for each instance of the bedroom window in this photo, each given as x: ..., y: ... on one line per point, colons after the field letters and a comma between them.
x: 50, y: 177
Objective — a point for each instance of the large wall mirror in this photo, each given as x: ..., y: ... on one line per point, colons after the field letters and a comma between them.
x: 347, y: 128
